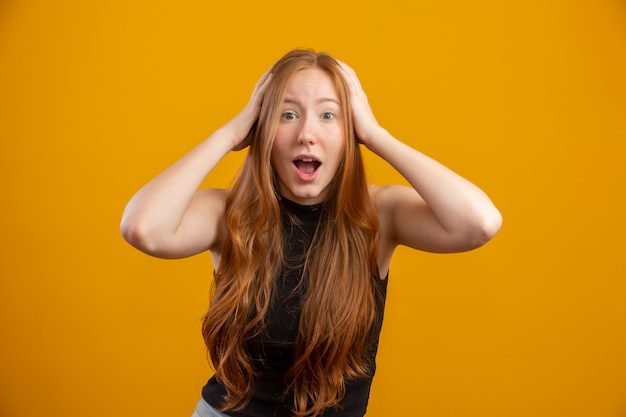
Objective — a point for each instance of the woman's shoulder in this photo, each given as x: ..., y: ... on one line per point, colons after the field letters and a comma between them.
x: 384, y: 195
x: 205, y: 216
x: 216, y: 195
x: 210, y: 202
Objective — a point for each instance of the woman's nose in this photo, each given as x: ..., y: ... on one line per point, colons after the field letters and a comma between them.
x: 304, y: 138
x: 307, y: 133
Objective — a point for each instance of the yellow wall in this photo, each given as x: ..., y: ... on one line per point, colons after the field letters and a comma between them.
x: 526, y: 98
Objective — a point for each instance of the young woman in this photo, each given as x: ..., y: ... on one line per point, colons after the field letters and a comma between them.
x: 301, y: 244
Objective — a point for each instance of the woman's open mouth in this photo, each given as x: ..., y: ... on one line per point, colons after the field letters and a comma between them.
x: 307, y: 168
x: 307, y: 165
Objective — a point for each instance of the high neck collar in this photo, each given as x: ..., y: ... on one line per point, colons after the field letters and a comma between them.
x: 300, y: 208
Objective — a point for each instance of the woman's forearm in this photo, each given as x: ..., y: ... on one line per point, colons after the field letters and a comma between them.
x: 157, y: 209
x: 156, y: 212
x: 459, y: 205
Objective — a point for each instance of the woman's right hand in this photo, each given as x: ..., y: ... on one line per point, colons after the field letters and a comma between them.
x: 242, y: 125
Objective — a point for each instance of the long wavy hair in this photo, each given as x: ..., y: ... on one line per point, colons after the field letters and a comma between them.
x: 340, y: 306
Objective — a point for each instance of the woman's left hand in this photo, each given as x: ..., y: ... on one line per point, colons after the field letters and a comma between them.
x: 365, y: 123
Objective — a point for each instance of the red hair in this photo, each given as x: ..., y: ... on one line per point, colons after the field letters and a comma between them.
x: 340, y: 307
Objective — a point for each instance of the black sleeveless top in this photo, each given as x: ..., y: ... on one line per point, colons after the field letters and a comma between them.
x: 273, y: 350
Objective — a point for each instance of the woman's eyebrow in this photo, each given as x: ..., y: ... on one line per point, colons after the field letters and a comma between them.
x: 294, y: 100
x: 327, y: 99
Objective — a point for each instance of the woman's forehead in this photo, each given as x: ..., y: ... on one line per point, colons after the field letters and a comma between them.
x: 311, y: 84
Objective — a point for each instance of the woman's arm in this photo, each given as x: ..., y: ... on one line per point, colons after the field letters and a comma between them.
x: 169, y: 217
x: 442, y: 213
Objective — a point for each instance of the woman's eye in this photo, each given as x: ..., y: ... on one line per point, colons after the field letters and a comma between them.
x: 328, y: 115
x: 288, y: 115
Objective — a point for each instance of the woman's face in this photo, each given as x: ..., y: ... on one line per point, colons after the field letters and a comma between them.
x: 310, y: 141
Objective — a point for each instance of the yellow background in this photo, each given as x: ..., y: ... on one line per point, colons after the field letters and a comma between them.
x: 525, y: 98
